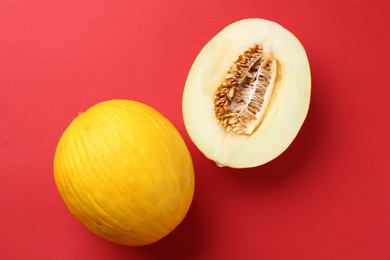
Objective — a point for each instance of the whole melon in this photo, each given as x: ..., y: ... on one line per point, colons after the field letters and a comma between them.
x: 124, y: 171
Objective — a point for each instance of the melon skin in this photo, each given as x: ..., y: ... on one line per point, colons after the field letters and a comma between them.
x: 285, y: 113
x: 124, y: 172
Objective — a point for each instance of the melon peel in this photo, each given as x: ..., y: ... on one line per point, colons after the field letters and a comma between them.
x: 278, y: 85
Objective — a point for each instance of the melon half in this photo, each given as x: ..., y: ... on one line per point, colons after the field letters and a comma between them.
x: 247, y: 94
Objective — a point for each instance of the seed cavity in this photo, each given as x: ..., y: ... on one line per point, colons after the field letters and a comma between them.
x: 242, y: 98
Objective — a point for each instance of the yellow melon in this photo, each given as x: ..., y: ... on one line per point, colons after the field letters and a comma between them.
x: 124, y: 171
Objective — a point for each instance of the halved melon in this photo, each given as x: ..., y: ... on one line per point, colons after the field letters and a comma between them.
x: 247, y: 94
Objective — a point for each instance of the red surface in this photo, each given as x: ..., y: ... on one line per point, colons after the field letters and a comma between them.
x: 326, y: 197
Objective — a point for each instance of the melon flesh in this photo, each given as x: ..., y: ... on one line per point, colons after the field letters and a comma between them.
x: 285, y: 112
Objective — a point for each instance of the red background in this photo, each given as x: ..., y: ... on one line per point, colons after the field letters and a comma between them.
x: 326, y: 197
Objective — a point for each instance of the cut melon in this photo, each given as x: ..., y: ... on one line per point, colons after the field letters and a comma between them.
x: 247, y: 94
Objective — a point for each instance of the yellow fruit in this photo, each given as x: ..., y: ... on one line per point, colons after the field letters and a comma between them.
x: 124, y: 171
x: 247, y: 94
